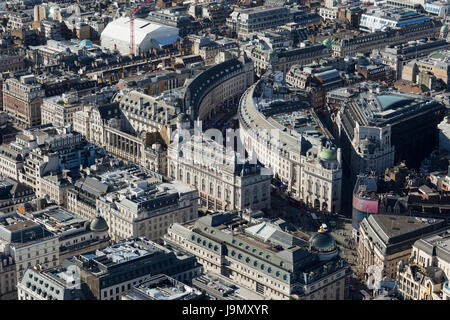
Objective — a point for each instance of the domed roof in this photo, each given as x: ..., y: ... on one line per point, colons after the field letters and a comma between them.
x: 444, y: 28
x: 85, y: 43
x: 392, y: 101
x: 99, y: 224
x: 328, y: 154
x: 322, y: 241
x: 327, y: 42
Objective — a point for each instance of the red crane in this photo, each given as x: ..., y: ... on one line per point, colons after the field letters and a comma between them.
x: 131, y: 14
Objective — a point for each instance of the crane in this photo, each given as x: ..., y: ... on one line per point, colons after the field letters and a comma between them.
x: 131, y: 15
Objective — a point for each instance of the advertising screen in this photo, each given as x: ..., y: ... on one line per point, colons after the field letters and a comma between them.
x: 364, y: 205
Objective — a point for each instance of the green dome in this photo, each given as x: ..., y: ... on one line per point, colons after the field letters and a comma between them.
x: 327, y: 42
x: 99, y: 224
x: 322, y: 241
x: 444, y: 28
x: 328, y: 154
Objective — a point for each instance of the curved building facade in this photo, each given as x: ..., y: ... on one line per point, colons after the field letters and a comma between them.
x: 217, y: 86
x: 287, y: 137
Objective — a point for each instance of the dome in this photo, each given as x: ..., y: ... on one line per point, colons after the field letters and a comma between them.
x: 327, y: 42
x: 328, y: 154
x: 392, y: 101
x: 85, y: 43
x: 99, y: 224
x: 444, y: 28
x: 322, y: 241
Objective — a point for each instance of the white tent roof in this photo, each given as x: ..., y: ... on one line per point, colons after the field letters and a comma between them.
x: 120, y: 29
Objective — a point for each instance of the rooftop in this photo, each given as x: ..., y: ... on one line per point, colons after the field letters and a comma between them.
x: 161, y: 287
x: 380, y: 107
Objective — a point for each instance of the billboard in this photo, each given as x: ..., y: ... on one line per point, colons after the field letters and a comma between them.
x: 364, y: 205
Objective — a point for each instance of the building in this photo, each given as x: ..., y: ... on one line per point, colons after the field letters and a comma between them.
x: 113, y: 271
x: 429, y: 70
x: 444, y: 134
x: 385, y: 240
x: 76, y: 235
x: 377, y: 40
x: 403, y: 191
x: 217, y: 87
x: 175, y: 19
x: 12, y: 194
x: 22, y: 100
x: 59, y: 110
x: 409, y: 4
x: 438, y: 8
x: 216, y: 12
x: 282, y: 59
x: 329, y: 13
x: 425, y: 275
x: 376, y: 72
x: 155, y: 83
x: 219, y: 287
x: 397, y: 56
x: 245, y: 21
x: 379, y: 128
x: 148, y: 209
x: 224, y: 180
x: 162, y: 287
x: 380, y: 18
x: 56, y: 186
x: 147, y: 35
x: 314, y: 81
x: 288, y: 137
x: 11, y: 162
x: 133, y: 201
x: 263, y: 258
x: 27, y: 243
x: 13, y: 61
x: 57, y: 283
x: 45, y: 150
x: 51, y: 29
x: 209, y: 50
x: 18, y: 20
x: 7, y: 278
x: 99, y: 180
